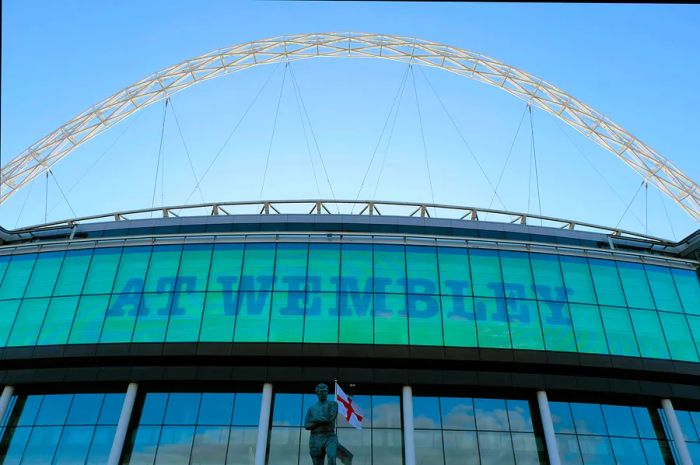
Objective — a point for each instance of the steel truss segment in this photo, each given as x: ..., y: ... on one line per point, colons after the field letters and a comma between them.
x: 648, y: 163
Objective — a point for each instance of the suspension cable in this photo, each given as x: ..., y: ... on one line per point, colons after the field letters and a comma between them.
x: 21, y: 210
x: 534, y: 156
x: 187, y: 152
x: 422, y: 135
x: 306, y: 136
x: 274, y: 129
x: 510, y: 151
x: 630, y: 204
x: 160, y: 151
x: 668, y: 218
x: 46, y: 197
x: 55, y: 179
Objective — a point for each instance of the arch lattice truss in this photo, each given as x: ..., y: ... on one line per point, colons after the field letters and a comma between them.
x: 41, y: 155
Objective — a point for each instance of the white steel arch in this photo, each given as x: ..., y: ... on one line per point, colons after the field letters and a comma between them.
x: 48, y: 150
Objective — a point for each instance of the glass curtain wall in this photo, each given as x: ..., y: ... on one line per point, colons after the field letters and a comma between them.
x: 690, y: 425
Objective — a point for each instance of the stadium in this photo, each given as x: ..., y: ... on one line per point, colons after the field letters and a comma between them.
x: 196, y: 334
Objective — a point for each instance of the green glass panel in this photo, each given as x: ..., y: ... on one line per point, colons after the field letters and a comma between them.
x: 517, y: 275
x: 607, y: 283
x: 4, y: 262
x: 588, y: 329
x: 390, y: 322
x: 321, y: 317
x: 226, y: 264
x: 356, y: 268
x: 486, y: 273
x: 287, y: 317
x: 194, y: 267
x: 73, y: 272
x: 424, y: 320
x: 121, y: 318
x: 219, y: 317
x: 103, y: 269
x: 258, y: 267
x: 152, y: 319
x: 663, y: 288
x: 17, y: 276
x: 25, y: 331
x: 88, y: 320
x: 635, y: 285
x: 458, y: 321
x: 422, y: 270
x: 577, y: 280
x: 356, y: 318
x: 680, y: 342
x: 491, y: 322
x: 132, y: 270
x: 8, y: 312
x: 389, y: 269
x: 618, y: 328
x: 185, y: 317
x: 688, y: 287
x: 557, y: 326
x: 694, y: 324
x: 524, y: 323
x: 324, y: 268
x: 290, y: 268
x: 650, y: 338
x: 546, y: 273
x: 162, y: 269
x: 44, y: 275
x: 455, y: 277
x: 58, y: 321
x: 253, y: 317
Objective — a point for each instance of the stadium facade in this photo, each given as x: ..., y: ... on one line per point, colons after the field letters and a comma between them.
x: 199, y: 339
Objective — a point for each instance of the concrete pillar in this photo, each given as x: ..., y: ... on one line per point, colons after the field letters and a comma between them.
x: 263, y: 424
x: 124, y: 418
x: 550, y: 438
x: 409, y: 443
x: 676, y: 432
x: 5, y: 399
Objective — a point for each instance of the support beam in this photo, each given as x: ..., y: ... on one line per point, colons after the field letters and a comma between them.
x: 124, y: 418
x: 5, y: 399
x: 550, y: 438
x: 263, y: 424
x: 409, y: 444
x: 676, y: 432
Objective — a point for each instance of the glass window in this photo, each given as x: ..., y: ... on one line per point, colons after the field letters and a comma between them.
x: 524, y: 323
x: 54, y: 409
x: 44, y: 275
x: 85, y: 409
x: 216, y: 408
x: 688, y: 287
x: 386, y: 412
x: 424, y: 320
x: 31, y: 314
x: 185, y: 317
x: 680, y: 342
x: 17, y: 276
x: 455, y: 276
x: 152, y: 319
x: 162, y: 270
x: 88, y: 321
x: 287, y: 410
x: 457, y: 413
x: 324, y: 268
x: 458, y: 321
x: 486, y: 273
x: 562, y: 420
x: 182, y: 408
x: 556, y: 326
x: 620, y: 421
x: 153, y: 409
x: 663, y: 288
x: 607, y: 282
x: 103, y: 269
x: 390, y: 322
x: 356, y: 268
x: 495, y: 448
x: 4, y: 261
x: 389, y: 269
x: 258, y: 267
x: 321, y: 317
x: 356, y: 318
x: 577, y: 280
x: 460, y: 448
x: 693, y: 324
x: 219, y: 317
x: 226, y: 263
x: 426, y: 412
x: 650, y: 337
x: 422, y: 270
x: 121, y: 317
x: 287, y: 317
x: 635, y: 285
x: 588, y: 329
x: 588, y: 419
x: 547, y: 275
x: 517, y: 275
x: 596, y: 450
x: 246, y: 410
x: 253, y: 316
x: 8, y: 312
x: 58, y: 320
x: 73, y: 271
x: 132, y: 270
x: 492, y: 323
x: 290, y: 268
x: 194, y: 267
x: 618, y: 329
x: 491, y: 415
x: 174, y: 445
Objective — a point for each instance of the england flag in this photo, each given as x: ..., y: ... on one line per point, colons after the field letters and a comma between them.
x: 351, y: 412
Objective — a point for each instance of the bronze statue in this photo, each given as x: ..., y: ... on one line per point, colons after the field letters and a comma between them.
x: 320, y: 421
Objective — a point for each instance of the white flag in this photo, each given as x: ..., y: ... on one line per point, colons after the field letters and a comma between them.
x: 351, y: 412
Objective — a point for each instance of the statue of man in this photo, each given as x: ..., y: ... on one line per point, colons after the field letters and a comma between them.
x: 320, y: 420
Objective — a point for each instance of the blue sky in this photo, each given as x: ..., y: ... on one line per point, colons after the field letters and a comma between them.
x: 638, y: 64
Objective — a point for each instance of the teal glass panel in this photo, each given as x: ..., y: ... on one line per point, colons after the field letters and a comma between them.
x: 194, y: 267
x: 152, y: 319
x: 258, y: 267
x: 103, y: 269
x: 650, y: 338
x: 635, y: 285
x: 219, y: 317
x: 557, y: 326
x: 588, y: 329
x: 455, y: 276
x: 618, y: 329
x: 73, y: 272
x: 27, y: 325
x: 185, y: 317
x: 694, y: 325
x: 324, y: 268
x: 356, y: 318
x: 422, y: 270
x: 290, y: 268
x: 44, y: 276
x: 121, y: 318
x: 680, y: 342
x: 486, y: 273
x: 491, y: 322
x: 389, y: 269
x: 287, y: 317
x: 577, y: 280
x: 688, y: 287
x: 132, y: 270
x: 162, y: 269
x: 226, y: 264
x: 663, y: 288
x: 517, y: 275
x: 17, y: 276
x: 253, y: 316
x: 8, y: 312
x: 321, y: 317
x: 356, y: 268
x: 58, y: 320
x: 4, y: 262
x: 88, y: 319
x: 458, y: 321
x: 390, y: 322
x: 424, y: 320
x: 607, y: 283
x: 546, y: 272
x: 524, y: 323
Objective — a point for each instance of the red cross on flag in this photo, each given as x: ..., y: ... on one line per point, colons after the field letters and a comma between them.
x: 351, y: 412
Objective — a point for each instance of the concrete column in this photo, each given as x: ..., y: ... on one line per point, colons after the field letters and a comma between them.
x: 263, y: 424
x: 550, y: 438
x: 676, y: 432
x: 5, y: 399
x: 409, y: 443
x: 124, y: 418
